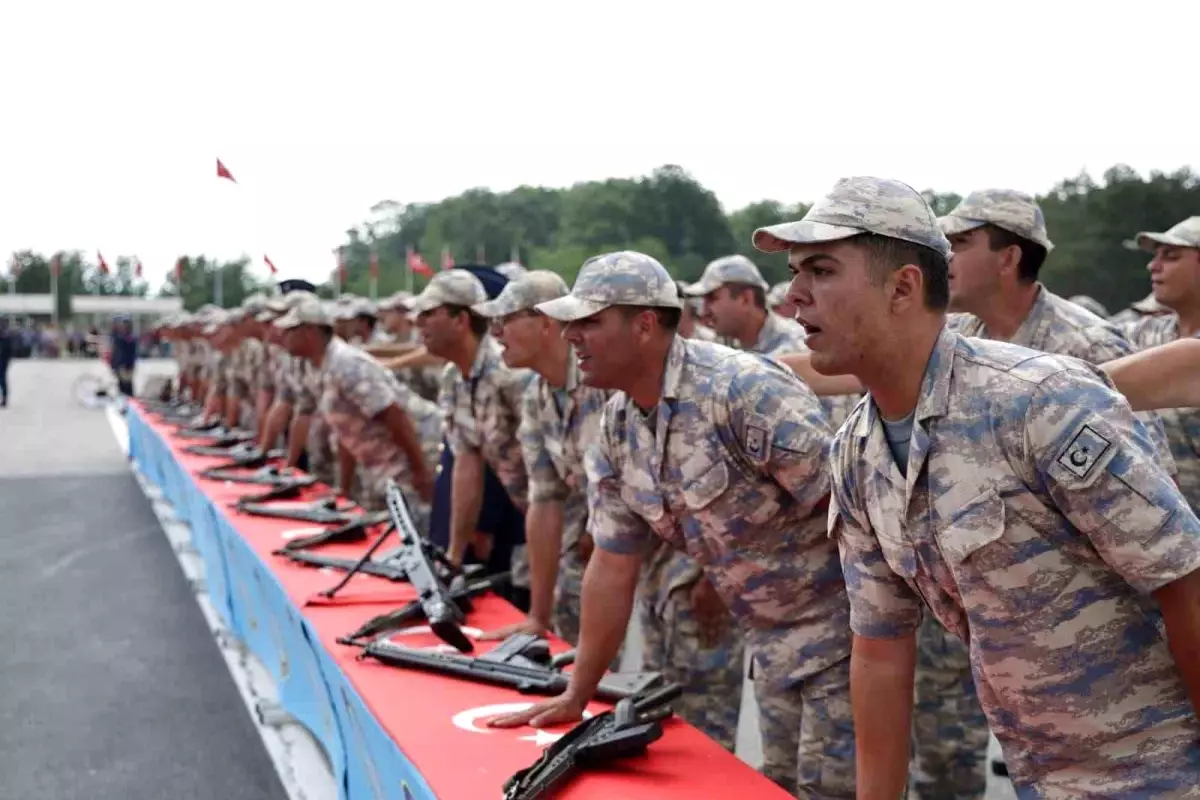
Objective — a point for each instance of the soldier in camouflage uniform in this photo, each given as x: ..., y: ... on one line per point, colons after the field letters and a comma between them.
x: 777, y: 300
x: 559, y: 417
x: 481, y: 402
x: 218, y: 359
x: 689, y: 324
x: 1175, y: 272
x: 734, y: 293
x: 250, y: 362
x: 999, y: 241
x: 396, y: 320
x: 383, y: 429
x: 1015, y: 494
x: 722, y: 454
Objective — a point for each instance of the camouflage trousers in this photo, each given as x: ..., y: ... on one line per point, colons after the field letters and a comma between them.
x: 710, y: 674
x: 808, y: 733
x: 322, y: 463
x: 950, y: 731
x: 568, y: 593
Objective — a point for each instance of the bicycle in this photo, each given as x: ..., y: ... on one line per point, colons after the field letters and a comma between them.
x: 97, y: 389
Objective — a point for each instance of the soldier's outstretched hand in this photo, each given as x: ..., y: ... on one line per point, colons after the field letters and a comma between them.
x: 555, y: 711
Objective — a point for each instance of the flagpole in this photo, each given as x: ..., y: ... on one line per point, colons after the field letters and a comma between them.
x: 219, y: 287
x: 408, y: 269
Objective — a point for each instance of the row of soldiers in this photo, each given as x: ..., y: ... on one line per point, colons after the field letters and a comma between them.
x: 980, y: 508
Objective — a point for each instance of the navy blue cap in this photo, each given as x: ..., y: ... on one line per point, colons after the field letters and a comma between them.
x: 493, y: 281
x: 296, y: 285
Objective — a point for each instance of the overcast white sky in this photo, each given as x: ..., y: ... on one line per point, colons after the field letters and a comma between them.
x: 114, y: 112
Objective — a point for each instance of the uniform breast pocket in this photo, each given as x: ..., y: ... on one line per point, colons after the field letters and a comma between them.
x: 1002, y: 563
x: 898, y: 551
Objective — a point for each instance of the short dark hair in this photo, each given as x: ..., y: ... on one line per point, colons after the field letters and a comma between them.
x: 887, y: 255
x: 759, y: 294
x: 479, y: 325
x: 668, y: 318
x: 1033, y: 255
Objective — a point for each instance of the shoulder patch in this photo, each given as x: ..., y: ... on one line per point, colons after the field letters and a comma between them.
x: 758, y: 438
x: 1084, y: 452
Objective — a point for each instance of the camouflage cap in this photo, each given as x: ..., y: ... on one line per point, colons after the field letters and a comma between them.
x: 625, y: 278
x: 1015, y: 212
x: 860, y: 205
x: 400, y: 301
x: 523, y: 293
x: 309, y: 311
x: 1185, y: 234
x: 778, y: 294
x: 352, y: 308
x: 254, y: 303
x: 454, y: 287
x: 511, y: 270
x: 1091, y: 304
x: 725, y: 270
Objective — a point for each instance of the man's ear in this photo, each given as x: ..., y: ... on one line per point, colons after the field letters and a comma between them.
x: 907, y: 287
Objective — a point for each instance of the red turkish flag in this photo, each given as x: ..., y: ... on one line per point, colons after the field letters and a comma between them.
x: 223, y: 172
x: 56, y: 265
x: 270, y: 265
x: 137, y: 268
x: 375, y: 265
x: 178, y: 271
x: 341, y: 268
x: 416, y: 263
x: 103, y: 263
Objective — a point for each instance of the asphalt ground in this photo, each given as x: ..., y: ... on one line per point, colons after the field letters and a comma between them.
x: 112, y: 684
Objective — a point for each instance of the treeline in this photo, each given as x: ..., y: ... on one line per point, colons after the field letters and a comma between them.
x: 671, y: 216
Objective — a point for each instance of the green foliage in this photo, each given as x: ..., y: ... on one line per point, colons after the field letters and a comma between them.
x: 671, y: 216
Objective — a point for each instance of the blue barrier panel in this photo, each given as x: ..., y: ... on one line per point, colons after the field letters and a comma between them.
x: 375, y: 766
x: 255, y: 620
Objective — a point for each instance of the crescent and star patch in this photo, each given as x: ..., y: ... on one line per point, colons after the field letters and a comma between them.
x: 1084, y: 452
x: 758, y: 438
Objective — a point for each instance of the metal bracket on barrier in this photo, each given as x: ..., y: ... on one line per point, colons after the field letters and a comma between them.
x: 199, y: 586
x: 272, y: 714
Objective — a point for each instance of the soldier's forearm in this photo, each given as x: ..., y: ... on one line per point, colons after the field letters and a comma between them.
x: 1167, y: 376
x: 881, y: 693
x: 277, y: 422
x: 466, y: 500
x: 543, y: 545
x: 390, y: 350
x: 233, y: 410
x: 414, y: 360
x: 821, y: 385
x: 298, y: 438
x: 609, y: 584
x: 346, y: 464
x: 261, y: 408
x: 1180, y: 605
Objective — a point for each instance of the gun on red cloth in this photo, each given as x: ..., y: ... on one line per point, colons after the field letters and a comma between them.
x: 324, y: 511
x: 521, y: 662
x: 237, y: 452
x: 218, y: 437
x: 461, y: 593
x: 353, y: 531
x: 235, y: 472
x: 625, y: 731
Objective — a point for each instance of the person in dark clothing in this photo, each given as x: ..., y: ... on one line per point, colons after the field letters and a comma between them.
x: 124, y: 354
x: 6, y: 354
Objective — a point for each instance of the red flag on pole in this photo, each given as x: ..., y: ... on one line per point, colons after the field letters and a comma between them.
x: 15, y: 267
x: 341, y: 268
x: 270, y: 265
x: 223, y: 172
x: 416, y: 262
x: 178, y: 270
x: 137, y: 268
x: 55, y: 265
x: 374, y: 265
x: 447, y: 259
x: 103, y: 263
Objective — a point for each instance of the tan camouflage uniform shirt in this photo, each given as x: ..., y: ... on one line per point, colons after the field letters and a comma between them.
x: 355, y: 390
x: 483, y: 413
x: 1062, y: 328
x: 245, y: 368
x: 1182, y: 425
x: 557, y: 427
x: 216, y: 370
x: 1034, y: 522
x: 730, y: 467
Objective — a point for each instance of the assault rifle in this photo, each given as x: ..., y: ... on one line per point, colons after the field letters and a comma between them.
x: 353, y: 531
x: 218, y: 433
x: 324, y: 511
x: 280, y: 491
x: 625, y: 731
x: 234, y: 472
x: 461, y: 593
x: 383, y: 568
x: 521, y: 662
x: 239, y: 453
x: 443, y: 614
